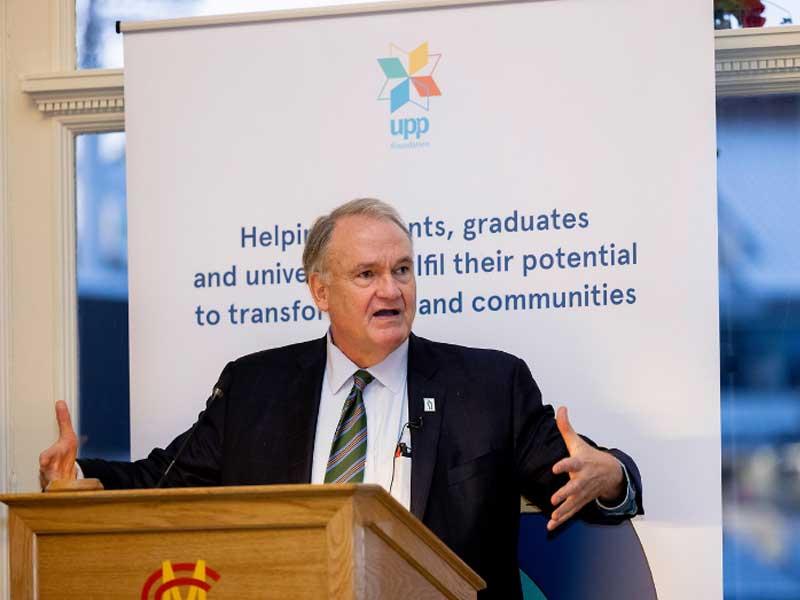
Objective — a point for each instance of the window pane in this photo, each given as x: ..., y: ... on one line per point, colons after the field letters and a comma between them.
x: 100, y: 47
x: 759, y: 218
x: 102, y: 296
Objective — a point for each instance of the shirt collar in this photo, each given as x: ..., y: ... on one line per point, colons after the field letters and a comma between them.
x: 390, y: 372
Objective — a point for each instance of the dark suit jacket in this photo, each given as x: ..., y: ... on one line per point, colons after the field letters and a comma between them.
x: 489, y: 441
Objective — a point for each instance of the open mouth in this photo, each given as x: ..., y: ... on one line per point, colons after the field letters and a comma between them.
x: 387, y: 312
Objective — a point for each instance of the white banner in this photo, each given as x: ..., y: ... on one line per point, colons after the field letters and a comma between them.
x: 556, y: 161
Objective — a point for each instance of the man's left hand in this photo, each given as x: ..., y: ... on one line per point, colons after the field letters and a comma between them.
x: 593, y: 474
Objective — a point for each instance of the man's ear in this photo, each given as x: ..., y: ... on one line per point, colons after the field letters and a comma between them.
x: 319, y: 290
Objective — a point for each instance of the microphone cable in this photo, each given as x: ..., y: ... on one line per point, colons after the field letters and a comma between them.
x: 400, y: 449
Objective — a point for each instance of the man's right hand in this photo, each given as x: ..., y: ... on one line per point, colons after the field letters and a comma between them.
x: 58, y: 461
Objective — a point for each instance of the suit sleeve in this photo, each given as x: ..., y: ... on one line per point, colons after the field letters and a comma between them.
x: 538, y: 445
x: 199, y: 464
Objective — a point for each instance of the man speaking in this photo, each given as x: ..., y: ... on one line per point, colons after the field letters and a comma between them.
x: 456, y: 434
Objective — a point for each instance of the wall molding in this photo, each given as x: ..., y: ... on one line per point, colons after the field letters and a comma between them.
x: 757, y: 62
x: 89, y: 92
x: 748, y: 62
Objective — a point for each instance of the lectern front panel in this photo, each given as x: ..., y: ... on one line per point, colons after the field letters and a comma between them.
x: 264, y: 563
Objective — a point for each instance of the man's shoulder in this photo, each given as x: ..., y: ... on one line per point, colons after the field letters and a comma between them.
x: 302, y: 352
x: 465, y: 356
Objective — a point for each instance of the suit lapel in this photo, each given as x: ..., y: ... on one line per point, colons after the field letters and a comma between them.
x: 302, y: 404
x: 424, y: 440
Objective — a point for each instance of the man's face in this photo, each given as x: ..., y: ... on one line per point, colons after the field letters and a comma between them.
x: 368, y: 291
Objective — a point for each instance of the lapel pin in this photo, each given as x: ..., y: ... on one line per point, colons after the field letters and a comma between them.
x: 430, y: 404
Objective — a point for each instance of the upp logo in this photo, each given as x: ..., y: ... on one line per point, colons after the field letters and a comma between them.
x: 409, y: 83
x: 163, y: 584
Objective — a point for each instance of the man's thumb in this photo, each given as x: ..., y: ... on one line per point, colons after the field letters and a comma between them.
x: 571, y: 439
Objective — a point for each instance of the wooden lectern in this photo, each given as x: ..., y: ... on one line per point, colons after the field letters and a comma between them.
x: 287, y: 542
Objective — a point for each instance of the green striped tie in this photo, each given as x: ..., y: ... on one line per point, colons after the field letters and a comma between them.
x: 349, y: 448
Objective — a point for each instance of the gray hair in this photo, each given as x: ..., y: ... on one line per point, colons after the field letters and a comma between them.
x: 315, y: 252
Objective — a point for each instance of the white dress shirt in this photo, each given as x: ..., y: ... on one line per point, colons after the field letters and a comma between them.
x: 386, y: 403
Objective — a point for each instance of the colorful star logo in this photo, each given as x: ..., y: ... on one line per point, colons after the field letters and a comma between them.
x: 409, y: 77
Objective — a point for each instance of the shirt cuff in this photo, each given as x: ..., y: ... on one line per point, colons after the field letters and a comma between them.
x: 78, y: 471
x: 628, y: 506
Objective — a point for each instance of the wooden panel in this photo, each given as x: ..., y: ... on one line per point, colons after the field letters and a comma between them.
x: 390, y: 577
x: 425, y: 552
x: 270, y: 563
x: 21, y: 553
x: 340, y: 560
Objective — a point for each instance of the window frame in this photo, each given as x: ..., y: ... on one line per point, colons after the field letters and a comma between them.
x: 75, y: 103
